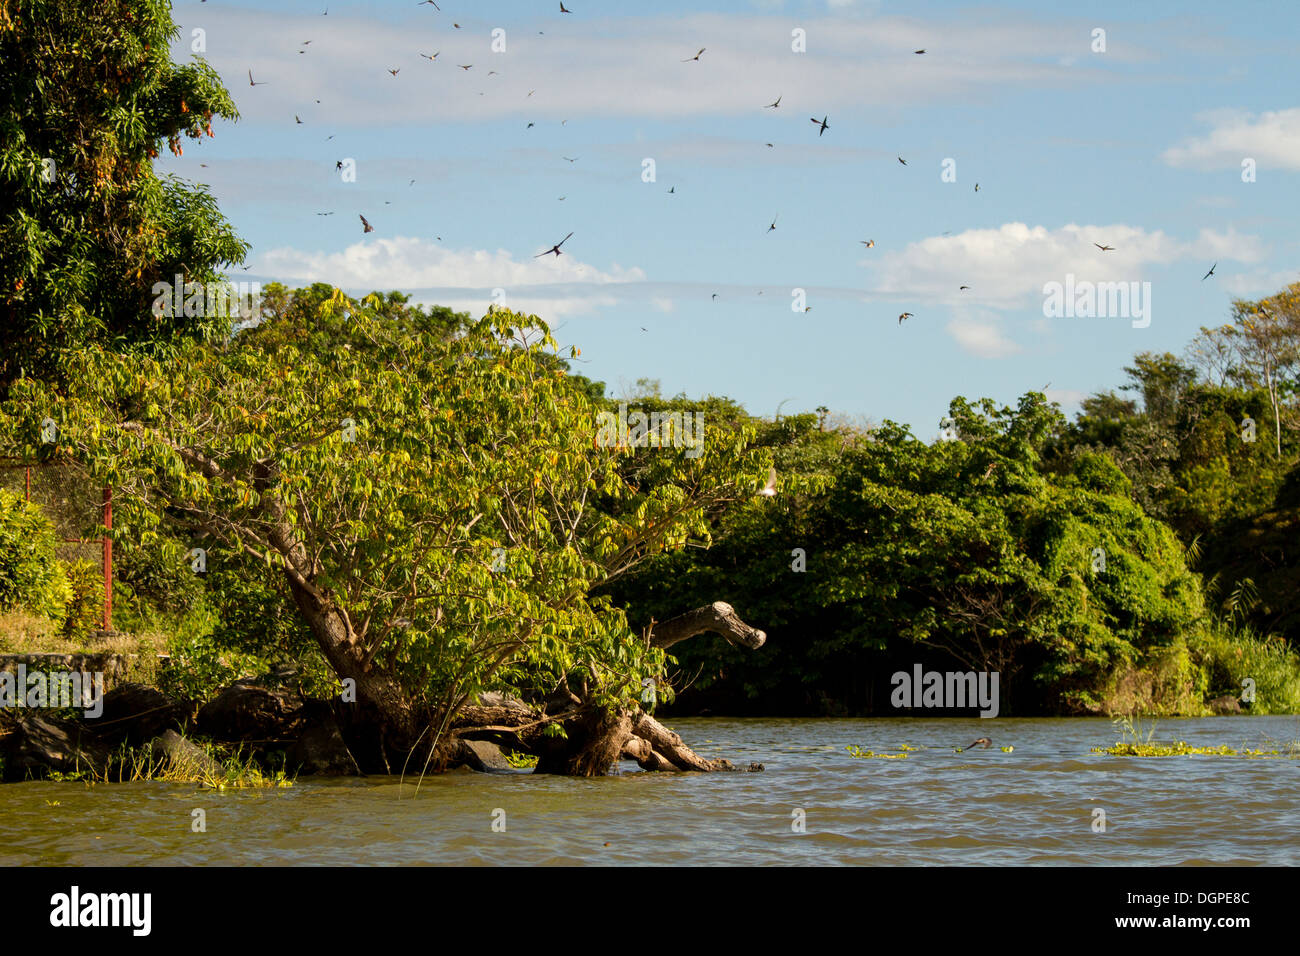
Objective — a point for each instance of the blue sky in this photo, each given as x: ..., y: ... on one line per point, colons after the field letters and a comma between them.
x: 1139, y: 147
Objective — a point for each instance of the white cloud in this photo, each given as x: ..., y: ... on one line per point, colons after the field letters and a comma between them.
x: 461, y: 279
x: 1272, y: 139
x: 1067, y: 398
x: 984, y: 339
x: 662, y: 303
x: 1008, y: 266
x: 623, y: 66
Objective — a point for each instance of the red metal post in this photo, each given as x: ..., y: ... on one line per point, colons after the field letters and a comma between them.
x: 108, y: 559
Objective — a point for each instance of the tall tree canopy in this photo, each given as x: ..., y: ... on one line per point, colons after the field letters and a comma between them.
x: 88, y: 96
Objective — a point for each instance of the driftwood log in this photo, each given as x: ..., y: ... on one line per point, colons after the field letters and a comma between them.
x: 596, y: 738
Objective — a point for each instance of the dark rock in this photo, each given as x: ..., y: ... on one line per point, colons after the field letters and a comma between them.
x: 482, y: 755
x: 33, y: 745
x: 136, y: 713
x: 182, y: 758
x: 321, y: 748
x: 247, y: 711
x: 1228, y: 704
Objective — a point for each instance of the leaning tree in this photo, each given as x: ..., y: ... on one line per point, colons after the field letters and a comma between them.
x: 438, y: 505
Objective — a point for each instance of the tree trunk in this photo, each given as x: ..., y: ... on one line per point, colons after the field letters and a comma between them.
x: 596, y: 738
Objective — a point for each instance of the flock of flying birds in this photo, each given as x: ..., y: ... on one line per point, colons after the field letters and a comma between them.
x: 822, y: 126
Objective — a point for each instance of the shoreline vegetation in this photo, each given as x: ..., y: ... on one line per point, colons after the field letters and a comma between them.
x: 438, y: 544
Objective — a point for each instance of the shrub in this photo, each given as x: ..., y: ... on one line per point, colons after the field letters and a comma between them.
x: 85, y: 609
x: 30, y: 574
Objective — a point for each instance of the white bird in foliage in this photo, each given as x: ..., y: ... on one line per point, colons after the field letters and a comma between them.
x: 769, y: 489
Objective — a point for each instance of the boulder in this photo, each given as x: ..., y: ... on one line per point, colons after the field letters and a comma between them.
x: 321, y: 748
x: 136, y: 713
x: 248, y: 711
x: 482, y: 755
x: 33, y: 745
x: 183, y: 759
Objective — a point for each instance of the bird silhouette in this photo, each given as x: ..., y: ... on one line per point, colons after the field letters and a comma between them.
x: 982, y: 742
x: 339, y: 164
x: 822, y: 124
x: 867, y: 242
x: 564, y: 9
x: 715, y: 295
x: 1210, y: 273
x: 396, y: 71
x: 430, y: 58
x: 696, y: 57
x: 1104, y: 248
x: 905, y: 315
x: 366, y: 224
x: 470, y: 67
x: 296, y: 120
x: 324, y: 213
x: 772, y: 106
x: 772, y: 227
x: 430, y: 3
x: 918, y: 52
x: 250, y: 80
x: 573, y: 160
x: 902, y: 160
x: 672, y: 189
x: 555, y: 248
x: 977, y: 187
x: 530, y: 126
x: 961, y: 288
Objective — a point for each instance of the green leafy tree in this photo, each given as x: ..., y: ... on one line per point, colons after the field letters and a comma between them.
x: 88, y: 96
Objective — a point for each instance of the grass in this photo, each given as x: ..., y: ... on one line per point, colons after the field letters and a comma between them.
x: 225, y: 770
x: 1132, y: 743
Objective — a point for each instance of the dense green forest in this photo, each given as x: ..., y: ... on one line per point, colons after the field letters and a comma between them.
x: 419, y: 501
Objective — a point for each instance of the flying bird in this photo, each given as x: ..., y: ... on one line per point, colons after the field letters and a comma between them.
x: 772, y: 106
x: 822, y: 124
x: 696, y: 57
x: 430, y: 58
x: 396, y: 71
x: 296, y: 120
x: 977, y: 187
x: 368, y: 227
x: 715, y: 295
x: 982, y: 742
x: 339, y: 164
x: 772, y: 227
x: 555, y: 248
x: 672, y: 189
x: 250, y: 80
x: 573, y: 160
x: 1104, y: 248
x: 470, y: 67
x: 769, y: 145
x: 564, y: 9
x: 769, y: 489
x: 1210, y: 273
x: 324, y: 213
x: 867, y: 242
x: 918, y: 52
x: 902, y: 160
x: 530, y: 126
x: 430, y: 3
x: 905, y: 315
